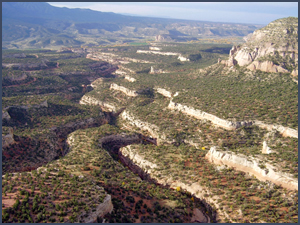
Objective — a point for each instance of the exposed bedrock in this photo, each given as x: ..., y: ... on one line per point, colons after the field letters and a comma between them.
x: 126, y: 91
x: 229, y: 125
x: 136, y: 162
x: 199, y: 114
x: 278, y: 40
x: 119, y: 140
x: 157, y: 52
x: 89, y: 100
x: 102, y: 209
x: 163, y: 92
x: 263, y: 172
x: 8, y: 139
x: 148, y: 170
x: 129, y: 120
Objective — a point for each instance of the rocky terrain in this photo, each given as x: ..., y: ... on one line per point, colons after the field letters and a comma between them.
x: 273, y: 48
x: 215, y: 143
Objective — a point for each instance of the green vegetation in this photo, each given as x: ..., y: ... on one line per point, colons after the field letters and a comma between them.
x: 53, y: 131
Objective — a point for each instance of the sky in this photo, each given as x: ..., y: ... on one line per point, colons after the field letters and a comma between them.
x: 231, y: 12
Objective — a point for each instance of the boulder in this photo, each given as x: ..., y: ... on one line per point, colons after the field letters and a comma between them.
x: 266, y: 149
x: 199, y: 217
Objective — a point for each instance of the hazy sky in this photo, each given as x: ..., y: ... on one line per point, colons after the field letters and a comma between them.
x: 236, y: 12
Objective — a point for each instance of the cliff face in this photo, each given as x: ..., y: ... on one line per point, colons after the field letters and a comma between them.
x: 253, y: 167
x: 124, y: 90
x: 164, y: 92
x: 130, y: 79
x: 229, y: 125
x: 93, y: 101
x: 203, y: 115
x: 8, y: 139
x: 136, y: 162
x: 273, y: 48
x: 157, y: 52
x: 150, y: 171
x: 102, y: 209
x: 151, y: 128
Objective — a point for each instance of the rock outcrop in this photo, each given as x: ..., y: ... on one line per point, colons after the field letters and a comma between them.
x: 119, y: 140
x: 157, y: 52
x: 229, y: 125
x: 154, y: 48
x: 127, y: 69
x: 155, y: 71
x: 136, y: 162
x: 128, y: 92
x: 89, y: 100
x: 113, y: 58
x: 277, y: 42
x: 163, y: 38
x: 120, y: 72
x: 285, y: 131
x: 266, y: 66
x: 264, y: 172
x: 8, y: 139
x: 199, y: 217
x: 183, y: 59
x: 266, y: 149
x: 152, y: 129
x: 295, y: 72
x: 5, y: 116
x: 101, y: 210
x: 203, y: 115
x: 130, y: 79
x: 164, y: 92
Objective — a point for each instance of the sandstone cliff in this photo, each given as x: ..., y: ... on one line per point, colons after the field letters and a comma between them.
x: 153, y: 130
x: 8, y: 139
x: 229, y: 125
x: 85, y: 100
x: 150, y: 171
x: 273, y: 48
x: 163, y: 92
x: 203, y: 115
x: 136, y: 162
x: 101, y: 210
x: 157, y: 52
x: 131, y: 93
x: 253, y: 167
x: 130, y: 79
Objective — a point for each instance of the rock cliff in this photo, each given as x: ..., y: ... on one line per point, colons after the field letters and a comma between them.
x: 156, y: 71
x: 149, y: 170
x: 183, y: 59
x: 130, y: 79
x: 136, y: 162
x: 154, y: 48
x: 8, y: 139
x: 101, y: 210
x: 252, y: 166
x: 163, y: 38
x: 273, y: 48
x: 163, y: 92
x: 86, y: 100
x: 131, y: 93
x: 285, y: 131
x: 229, y: 125
x: 157, y: 52
x: 203, y: 115
x: 152, y: 129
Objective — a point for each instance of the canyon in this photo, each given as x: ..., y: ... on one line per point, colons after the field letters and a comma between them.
x: 173, y: 146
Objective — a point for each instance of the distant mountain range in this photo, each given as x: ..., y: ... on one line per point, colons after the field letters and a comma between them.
x: 40, y: 25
